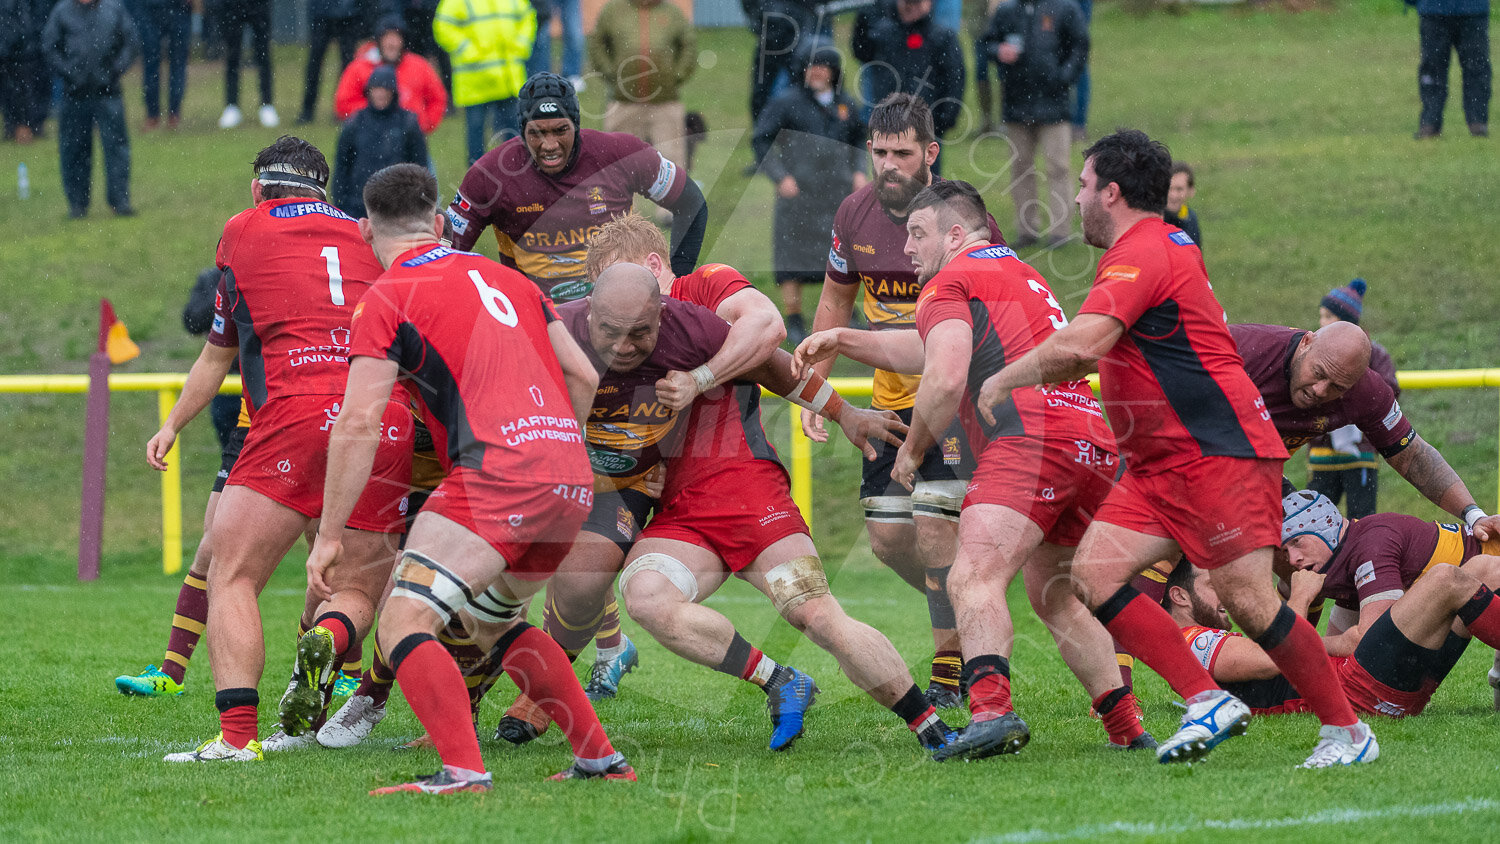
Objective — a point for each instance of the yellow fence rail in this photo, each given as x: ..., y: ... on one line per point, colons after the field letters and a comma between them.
x: 167, y: 386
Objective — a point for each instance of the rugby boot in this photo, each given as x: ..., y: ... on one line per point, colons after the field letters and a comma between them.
x: 1339, y: 746
x: 279, y: 741
x: 788, y: 703
x: 448, y: 780
x: 936, y: 736
x: 941, y: 696
x: 1211, y: 717
x: 1144, y: 741
x: 619, y: 769
x: 991, y: 737
x: 346, y: 684
x: 218, y: 750
x: 524, y: 721
x: 604, y: 679
x: 153, y: 682
x: 351, y: 723
x: 302, y: 705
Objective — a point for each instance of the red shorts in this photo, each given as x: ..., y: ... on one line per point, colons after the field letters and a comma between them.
x: 531, y: 525
x: 285, y: 458
x: 1057, y: 484
x: 736, y: 513
x: 1217, y: 509
x: 1370, y: 696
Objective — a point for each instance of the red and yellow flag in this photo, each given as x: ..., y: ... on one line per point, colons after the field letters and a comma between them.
x: 114, y: 339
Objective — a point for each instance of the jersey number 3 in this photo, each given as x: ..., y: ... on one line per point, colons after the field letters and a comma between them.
x: 497, y: 303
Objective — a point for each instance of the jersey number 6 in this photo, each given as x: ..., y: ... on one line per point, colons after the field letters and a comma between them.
x: 497, y: 303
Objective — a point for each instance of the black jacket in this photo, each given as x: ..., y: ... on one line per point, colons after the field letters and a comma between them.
x: 13, y: 35
x: 90, y: 46
x: 370, y: 141
x: 1055, y: 50
x: 921, y: 58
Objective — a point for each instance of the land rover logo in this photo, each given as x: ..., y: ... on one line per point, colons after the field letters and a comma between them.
x: 609, y: 462
x: 567, y: 291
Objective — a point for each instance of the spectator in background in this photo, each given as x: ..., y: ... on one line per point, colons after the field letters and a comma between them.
x: 25, y: 83
x: 783, y: 30
x: 488, y: 42
x: 904, y: 50
x: 418, y: 87
x: 1342, y: 463
x: 808, y: 141
x: 377, y: 136
x: 569, y: 13
x: 1042, y: 46
x: 169, y: 21
x: 1448, y: 26
x: 90, y: 44
x: 418, y: 15
x: 345, y: 21
x: 235, y: 16
x: 1183, y: 188
x: 645, y: 50
x: 976, y: 19
x: 1082, y: 87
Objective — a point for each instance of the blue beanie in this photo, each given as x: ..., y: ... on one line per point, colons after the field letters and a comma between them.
x: 1347, y: 302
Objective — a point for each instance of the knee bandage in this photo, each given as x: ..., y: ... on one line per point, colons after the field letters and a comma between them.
x: 795, y: 582
x: 939, y: 499
x: 492, y: 607
x: 669, y: 567
x: 887, y: 509
x: 423, y: 579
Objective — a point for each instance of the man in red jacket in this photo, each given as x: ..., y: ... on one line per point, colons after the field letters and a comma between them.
x: 418, y: 87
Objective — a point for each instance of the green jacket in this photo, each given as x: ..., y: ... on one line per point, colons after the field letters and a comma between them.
x: 645, y: 52
x: 489, y: 42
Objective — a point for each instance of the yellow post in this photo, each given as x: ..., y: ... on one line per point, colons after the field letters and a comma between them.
x: 171, y: 493
x: 801, y: 464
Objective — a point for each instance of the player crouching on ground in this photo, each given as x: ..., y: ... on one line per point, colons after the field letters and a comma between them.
x: 518, y: 485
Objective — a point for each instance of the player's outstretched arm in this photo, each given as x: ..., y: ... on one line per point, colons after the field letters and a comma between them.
x: 351, y: 454
x: 813, y: 393
x: 948, y: 352
x: 1425, y: 469
x: 893, y: 351
x: 1072, y: 352
x: 203, y: 383
x: 578, y: 372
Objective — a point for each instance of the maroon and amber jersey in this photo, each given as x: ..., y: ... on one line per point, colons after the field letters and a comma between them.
x: 1384, y: 554
x: 1174, y: 387
x: 1009, y: 310
x: 869, y: 249
x: 471, y: 339
x: 543, y: 223
x: 630, y: 432
x: 293, y: 271
x: 1370, y: 404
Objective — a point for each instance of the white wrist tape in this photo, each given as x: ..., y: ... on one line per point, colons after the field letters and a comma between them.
x: 704, y: 378
x: 817, y: 396
x: 1472, y: 514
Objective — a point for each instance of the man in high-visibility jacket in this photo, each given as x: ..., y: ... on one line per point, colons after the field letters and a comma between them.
x: 489, y: 42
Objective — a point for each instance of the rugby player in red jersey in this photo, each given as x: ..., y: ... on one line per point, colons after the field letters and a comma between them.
x: 294, y: 269
x: 548, y: 190
x: 1423, y: 590
x: 913, y: 532
x: 1042, y: 471
x: 503, y: 390
x: 1202, y: 459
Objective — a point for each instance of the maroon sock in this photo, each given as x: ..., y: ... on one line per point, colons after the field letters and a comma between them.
x: 1482, y: 616
x: 543, y: 673
x: 946, y: 668
x: 1298, y: 651
x: 608, y: 634
x: 1121, y: 715
x: 1147, y: 631
x: 376, y: 683
x: 435, y: 690
x: 188, y: 621
x: 572, y: 639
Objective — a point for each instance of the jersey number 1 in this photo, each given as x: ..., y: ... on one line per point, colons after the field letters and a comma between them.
x: 497, y: 303
x: 335, y: 275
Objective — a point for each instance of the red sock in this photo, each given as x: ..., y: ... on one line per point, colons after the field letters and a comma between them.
x: 1146, y: 631
x: 343, y: 632
x: 1121, y: 715
x: 1301, y: 657
x: 238, y: 725
x: 188, y: 621
x: 437, y: 695
x: 543, y: 673
x: 990, y: 695
x: 1482, y: 616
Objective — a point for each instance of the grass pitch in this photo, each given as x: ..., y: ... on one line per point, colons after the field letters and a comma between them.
x: 1299, y: 126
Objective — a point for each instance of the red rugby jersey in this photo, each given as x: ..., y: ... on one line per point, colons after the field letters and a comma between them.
x: 1009, y: 310
x: 1174, y: 387
x: 293, y: 271
x: 471, y: 338
x: 543, y: 223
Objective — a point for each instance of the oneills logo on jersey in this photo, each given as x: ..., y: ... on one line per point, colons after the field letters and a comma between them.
x: 1119, y: 272
x: 533, y: 208
x: 864, y: 248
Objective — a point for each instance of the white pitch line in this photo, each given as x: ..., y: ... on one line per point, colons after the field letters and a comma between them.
x: 1329, y: 817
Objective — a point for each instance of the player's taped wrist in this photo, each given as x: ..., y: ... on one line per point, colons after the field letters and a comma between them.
x: 704, y: 378
x: 1472, y: 514
x: 816, y: 394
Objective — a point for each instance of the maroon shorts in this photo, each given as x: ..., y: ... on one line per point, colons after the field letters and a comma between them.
x: 1057, y: 484
x: 1370, y: 696
x: 736, y: 513
x: 530, y: 524
x: 1217, y: 509
x: 285, y: 458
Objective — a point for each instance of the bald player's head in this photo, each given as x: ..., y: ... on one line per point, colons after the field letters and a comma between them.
x: 1328, y: 363
x: 624, y: 316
